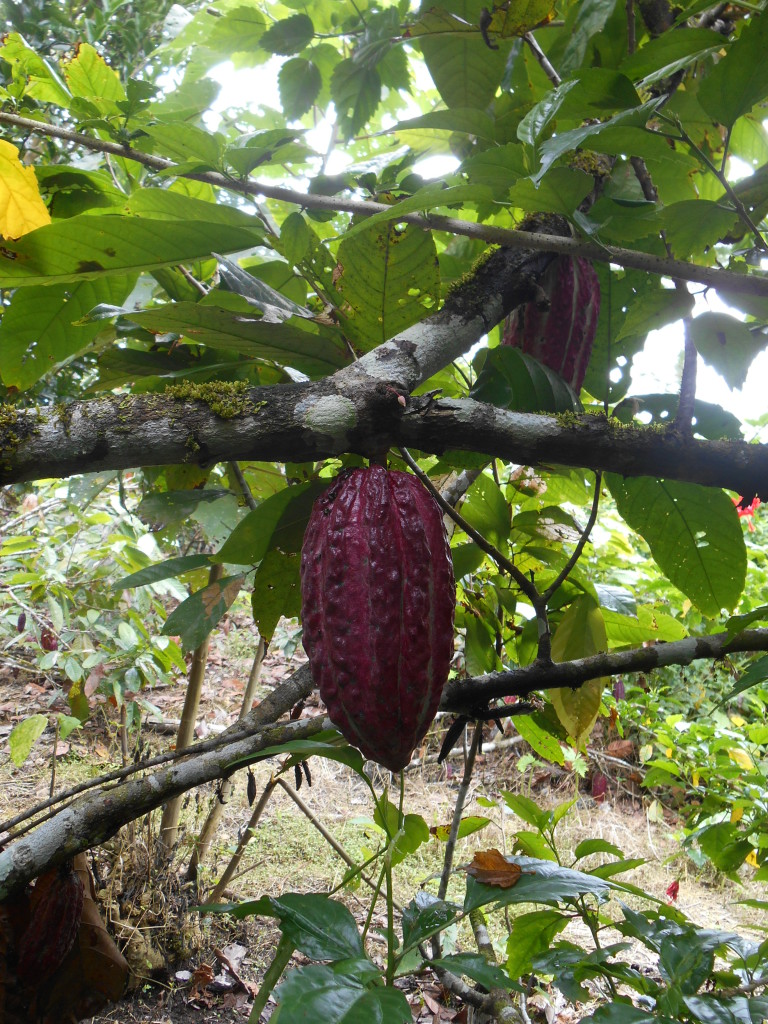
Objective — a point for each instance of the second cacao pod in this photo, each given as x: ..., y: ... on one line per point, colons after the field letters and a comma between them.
x: 378, y: 600
x: 560, y: 337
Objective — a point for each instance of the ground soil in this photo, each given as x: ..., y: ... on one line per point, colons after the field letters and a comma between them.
x: 174, y: 952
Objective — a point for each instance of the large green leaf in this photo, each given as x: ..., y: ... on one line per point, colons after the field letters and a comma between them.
x: 159, y: 228
x: 693, y: 533
x: 278, y: 522
x: 317, y: 993
x: 465, y: 71
x: 387, y: 279
x: 669, y: 52
x: 164, y: 570
x: 727, y: 345
x: 228, y: 321
x: 541, y: 881
x: 740, y: 79
x: 514, y: 380
x: 38, y: 330
x: 275, y: 591
x: 194, y: 618
x: 318, y: 926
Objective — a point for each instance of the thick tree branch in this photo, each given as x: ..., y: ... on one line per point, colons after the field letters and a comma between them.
x: 354, y: 414
x: 461, y: 695
x: 95, y: 817
x: 751, y: 284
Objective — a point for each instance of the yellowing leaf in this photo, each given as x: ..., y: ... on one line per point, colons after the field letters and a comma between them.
x: 21, y: 208
x: 737, y: 813
x: 581, y: 633
x: 516, y: 17
x: 741, y: 758
x: 751, y: 859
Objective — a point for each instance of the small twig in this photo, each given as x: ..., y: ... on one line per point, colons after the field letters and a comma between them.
x: 450, y: 846
x: 192, y: 279
x: 543, y: 60
x: 242, y: 483
x: 740, y: 208
x: 504, y: 563
x: 56, y: 727
x: 563, y: 575
x: 631, y: 41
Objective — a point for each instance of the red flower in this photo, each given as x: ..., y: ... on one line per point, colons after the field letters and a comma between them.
x: 747, y: 511
x: 673, y: 890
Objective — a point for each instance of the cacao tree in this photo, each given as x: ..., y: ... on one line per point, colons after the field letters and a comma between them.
x: 435, y: 236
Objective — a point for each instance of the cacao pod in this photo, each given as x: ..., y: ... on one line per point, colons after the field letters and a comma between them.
x: 378, y: 600
x: 56, y: 906
x: 560, y: 337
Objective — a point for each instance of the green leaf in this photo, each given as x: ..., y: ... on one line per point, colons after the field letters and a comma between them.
x: 299, y: 81
x: 476, y: 967
x: 710, y: 421
x: 321, y: 928
x: 466, y: 558
x: 39, y: 330
x: 294, y: 238
x: 278, y: 522
x: 526, y: 809
x: 465, y: 71
x: 187, y: 144
x: 194, y: 618
x: 561, y: 190
x: 356, y: 93
x: 726, y: 344
x: 289, y: 36
x: 667, y: 53
x: 23, y: 735
x: 540, y: 739
x: 228, y: 321
x: 514, y: 380
x: 316, y: 993
x: 387, y: 279
x: 740, y: 79
x: 580, y: 633
x: 541, y: 881
x: 276, y: 591
x: 424, y: 916
x: 647, y: 624
x: 159, y: 228
x: 300, y: 750
x: 485, y: 508
x: 589, y: 846
x: 694, y: 225
x: 531, y: 934
x: 415, y: 832
x: 756, y: 673
x: 693, y: 533
x: 465, y: 120
x: 162, y: 571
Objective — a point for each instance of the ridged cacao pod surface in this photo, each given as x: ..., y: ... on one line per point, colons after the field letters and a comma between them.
x: 56, y: 906
x: 560, y: 337
x: 378, y: 600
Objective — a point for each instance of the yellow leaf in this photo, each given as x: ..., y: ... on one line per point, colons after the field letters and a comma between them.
x: 741, y: 758
x: 737, y: 813
x: 669, y: 752
x: 751, y: 859
x: 695, y: 778
x: 21, y: 207
x: 738, y: 721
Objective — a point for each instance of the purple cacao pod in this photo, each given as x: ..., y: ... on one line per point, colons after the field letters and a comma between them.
x: 56, y: 906
x: 378, y: 599
x: 560, y: 337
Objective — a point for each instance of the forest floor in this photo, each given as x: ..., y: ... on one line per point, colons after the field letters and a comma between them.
x: 176, y: 955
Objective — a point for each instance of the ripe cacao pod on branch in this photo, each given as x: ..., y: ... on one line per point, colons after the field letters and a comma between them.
x: 56, y: 906
x: 378, y: 600
x: 560, y: 337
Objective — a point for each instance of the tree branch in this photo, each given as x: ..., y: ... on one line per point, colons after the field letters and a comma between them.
x: 461, y: 695
x: 749, y: 284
